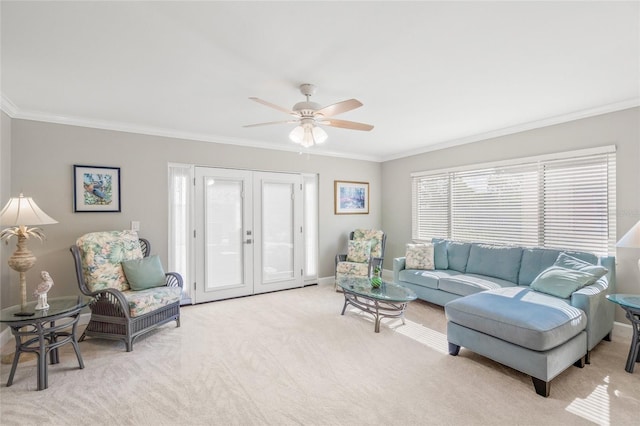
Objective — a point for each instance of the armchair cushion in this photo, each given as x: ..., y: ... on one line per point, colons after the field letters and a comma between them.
x: 352, y: 268
x: 103, y: 254
x: 359, y: 251
x: 373, y: 235
x: 144, y: 273
x: 144, y: 301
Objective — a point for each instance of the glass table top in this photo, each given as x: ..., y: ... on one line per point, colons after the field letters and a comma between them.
x: 627, y: 300
x: 57, y: 306
x: 387, y: 291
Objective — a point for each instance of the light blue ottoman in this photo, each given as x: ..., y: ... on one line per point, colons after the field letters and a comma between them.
x: 532, y: 332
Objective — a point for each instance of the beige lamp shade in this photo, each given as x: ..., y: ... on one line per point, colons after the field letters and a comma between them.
x: 631, y: 239
x: 23, y: 211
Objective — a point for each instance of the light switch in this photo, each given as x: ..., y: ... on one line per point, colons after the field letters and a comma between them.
x: 135, y: 225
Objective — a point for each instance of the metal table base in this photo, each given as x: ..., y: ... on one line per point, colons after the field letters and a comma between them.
x: 378, y: 308
x: 633, y: 315
x: 42, y: 336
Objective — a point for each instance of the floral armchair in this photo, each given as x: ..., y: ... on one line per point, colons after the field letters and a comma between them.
x: 131, y: 292
x: 365, y: 253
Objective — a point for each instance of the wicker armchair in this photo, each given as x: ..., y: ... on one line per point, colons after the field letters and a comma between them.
x: 117, y: 312
x: 367, y: 262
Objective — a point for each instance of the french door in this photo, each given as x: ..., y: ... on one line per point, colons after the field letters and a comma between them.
x: 248, y: 234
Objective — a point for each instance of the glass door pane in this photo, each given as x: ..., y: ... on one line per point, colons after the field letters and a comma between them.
x: 224, y: 234
x: 277, y: 231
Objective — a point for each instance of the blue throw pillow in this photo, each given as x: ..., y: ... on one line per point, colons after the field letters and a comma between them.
x: 144, y: 273
x: 576, y: 264
x: 561, y: 282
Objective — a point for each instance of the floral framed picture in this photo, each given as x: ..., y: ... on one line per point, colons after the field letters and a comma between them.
x: 96, y: 189
x: 351, y: 197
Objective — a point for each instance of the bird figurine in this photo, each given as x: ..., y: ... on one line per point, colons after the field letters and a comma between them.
x: 42, y: 289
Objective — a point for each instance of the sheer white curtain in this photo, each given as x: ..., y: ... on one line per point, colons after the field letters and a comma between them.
x: 180, y: 199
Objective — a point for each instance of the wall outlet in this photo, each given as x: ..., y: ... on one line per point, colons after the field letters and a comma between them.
x: 135, y: 225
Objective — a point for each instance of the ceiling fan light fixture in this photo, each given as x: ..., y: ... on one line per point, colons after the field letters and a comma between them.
x: 319, y: 135
x: 307, y: 135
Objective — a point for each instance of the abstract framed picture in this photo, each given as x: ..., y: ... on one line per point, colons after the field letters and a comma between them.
x: 351, y: 197
x: 96, y: 189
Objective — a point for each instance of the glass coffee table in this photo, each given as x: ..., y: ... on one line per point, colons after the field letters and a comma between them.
x: 388, y: 301
x: 631, y: 304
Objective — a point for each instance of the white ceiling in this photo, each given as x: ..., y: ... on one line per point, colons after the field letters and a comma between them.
x: 430, y: 74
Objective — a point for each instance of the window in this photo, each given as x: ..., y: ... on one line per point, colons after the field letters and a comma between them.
x: 180, y: 193
x: 559, y: 201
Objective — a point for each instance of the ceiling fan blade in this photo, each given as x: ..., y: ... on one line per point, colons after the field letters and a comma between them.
x: 274, y: 106
x: 339, y: 108
x: 344, y: 124
x: 272, y: 122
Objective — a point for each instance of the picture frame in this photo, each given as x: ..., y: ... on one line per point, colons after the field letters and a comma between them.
x: 351, y: 197
x: 96, y: 189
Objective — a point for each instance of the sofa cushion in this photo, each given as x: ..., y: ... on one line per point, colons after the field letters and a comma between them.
x: 144, y: 301
x: 520, y: 316
x: 495, y: 261
x: 465, y: 284
x: 144, y: 273
x: 536, y: 260
x: 457, y: 255
x: 102, y: 256
x: 359, y: 251
x: 440, y: 253
x: 425, y: 278
x: 419, y: 256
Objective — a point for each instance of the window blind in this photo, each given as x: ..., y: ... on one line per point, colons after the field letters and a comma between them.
x: 564, y: 202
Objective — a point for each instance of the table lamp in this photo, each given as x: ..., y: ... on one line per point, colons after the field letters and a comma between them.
x: 20, y: 213
x: 631, y: 239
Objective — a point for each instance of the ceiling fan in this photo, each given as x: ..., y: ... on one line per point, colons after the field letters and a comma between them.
x: 309, y: 114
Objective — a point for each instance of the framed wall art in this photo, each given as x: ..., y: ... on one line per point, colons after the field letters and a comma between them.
x: 96, y: 189
x: 351, y: 197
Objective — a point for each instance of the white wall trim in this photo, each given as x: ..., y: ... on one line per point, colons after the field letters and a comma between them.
x: 17, y: 113
x: 550, y: 121
x: 14, y: 112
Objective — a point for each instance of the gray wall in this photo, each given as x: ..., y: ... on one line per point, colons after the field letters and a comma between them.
x: 620, y: 128
x: 40, y: 156
x: 43, y: 156
x: 5, y: 193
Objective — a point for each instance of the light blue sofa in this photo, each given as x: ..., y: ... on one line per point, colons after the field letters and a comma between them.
x: 492, y: 311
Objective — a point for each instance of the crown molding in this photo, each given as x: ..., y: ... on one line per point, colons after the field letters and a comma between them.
x: 16, y: 113
x: 7, y: 106
x: 546, y: 122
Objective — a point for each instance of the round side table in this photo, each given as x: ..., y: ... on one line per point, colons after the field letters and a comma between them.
x: 631, y: 304
x: 40, y: 334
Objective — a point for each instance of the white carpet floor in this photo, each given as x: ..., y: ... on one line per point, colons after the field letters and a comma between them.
x: 290, y: 358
